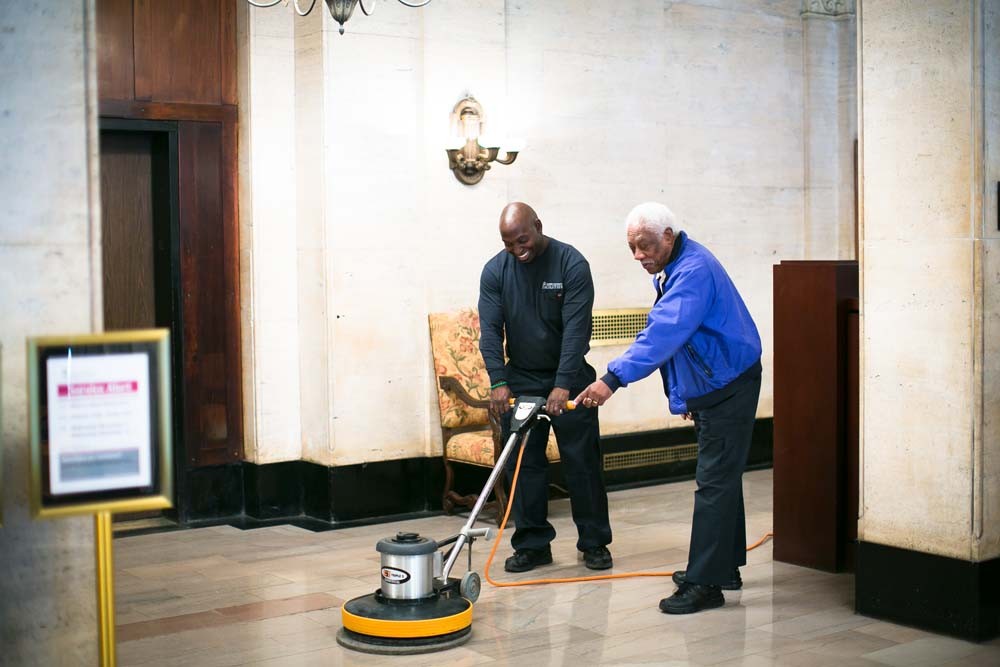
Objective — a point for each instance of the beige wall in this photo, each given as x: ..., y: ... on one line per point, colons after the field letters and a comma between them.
x: 697, y: 104
x: 268, y: 261
x: 49, y: 283
x: 987, y: 530
x: 930, y: 451
x: 829, y: 130
x: 986, y: 526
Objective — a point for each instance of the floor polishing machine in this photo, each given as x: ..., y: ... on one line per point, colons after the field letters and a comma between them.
x: 419, y: 606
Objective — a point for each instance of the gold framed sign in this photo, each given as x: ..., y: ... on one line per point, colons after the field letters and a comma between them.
x: 99, y: 422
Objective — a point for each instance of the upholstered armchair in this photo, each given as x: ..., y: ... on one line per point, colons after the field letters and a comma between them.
x: 469, y: 434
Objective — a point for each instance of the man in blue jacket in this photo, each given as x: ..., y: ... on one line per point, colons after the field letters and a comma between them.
x: 701, y: 338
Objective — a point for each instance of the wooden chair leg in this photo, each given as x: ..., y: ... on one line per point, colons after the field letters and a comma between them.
x: 449, y: 477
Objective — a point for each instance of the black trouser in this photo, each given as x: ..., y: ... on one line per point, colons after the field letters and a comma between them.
x: 718, y: 530
x: 578, y: 437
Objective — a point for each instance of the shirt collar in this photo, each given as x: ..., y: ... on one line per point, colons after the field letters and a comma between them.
x: 675, y: 252
x: 660, y: 279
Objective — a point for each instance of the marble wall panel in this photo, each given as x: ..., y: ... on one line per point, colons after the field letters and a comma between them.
x: 987, y: 462
x: 785, y: 8
x: 918, y: 398
x: 624, y: 29
x: 991, y: 116
x: 311, y: 238
x: 270, y: 204
x: 930, y: 131
x: 248, y: 288
x: 917, y: 164
x: 42, y: 205
x: 830, y: 128
x: 49, y: 257
x: 988, y: 543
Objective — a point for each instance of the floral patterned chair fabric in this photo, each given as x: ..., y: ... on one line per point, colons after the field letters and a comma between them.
x: 455, y: 346
x: 469, y: 434
x: 477, y: 448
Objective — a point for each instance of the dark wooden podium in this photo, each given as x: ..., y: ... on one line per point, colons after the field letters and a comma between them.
x: 816, y: 413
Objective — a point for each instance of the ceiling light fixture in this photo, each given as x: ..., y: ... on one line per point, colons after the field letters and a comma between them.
x: 340, y: 10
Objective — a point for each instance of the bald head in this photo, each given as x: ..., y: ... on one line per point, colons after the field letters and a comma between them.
x: 517, y: 215
x: 521, y: 231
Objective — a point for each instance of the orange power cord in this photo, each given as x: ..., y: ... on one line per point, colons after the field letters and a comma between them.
x: 565, y: 580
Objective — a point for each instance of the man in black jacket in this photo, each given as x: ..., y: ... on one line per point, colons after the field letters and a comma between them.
x: 538, y: 291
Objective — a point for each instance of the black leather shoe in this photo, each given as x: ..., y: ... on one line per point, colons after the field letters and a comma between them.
x: 527, y: 559
x: 734, y: 584
x: 597, y: 558
x: 691, y: 598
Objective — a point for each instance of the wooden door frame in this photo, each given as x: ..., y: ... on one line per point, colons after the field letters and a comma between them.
x: 166, y: 200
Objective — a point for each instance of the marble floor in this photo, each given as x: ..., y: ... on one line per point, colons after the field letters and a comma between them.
x: 271, y: 597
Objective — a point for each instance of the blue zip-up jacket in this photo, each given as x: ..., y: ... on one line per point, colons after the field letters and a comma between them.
x: 699, y: 334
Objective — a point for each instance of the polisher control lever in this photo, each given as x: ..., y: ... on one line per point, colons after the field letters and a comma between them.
x: 527, y: 409
x: 485, y: 533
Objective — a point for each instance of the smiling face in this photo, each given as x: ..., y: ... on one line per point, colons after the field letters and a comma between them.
x: 649, y: 248
x: 521, y: 232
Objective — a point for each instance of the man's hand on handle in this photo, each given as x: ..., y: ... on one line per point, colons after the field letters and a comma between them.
x: 500, y: 400
x: 556, y: 404
x: 595, y: 395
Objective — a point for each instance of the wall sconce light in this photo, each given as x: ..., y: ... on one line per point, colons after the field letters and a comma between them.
x: 471, y: 161
x: 340, y: 10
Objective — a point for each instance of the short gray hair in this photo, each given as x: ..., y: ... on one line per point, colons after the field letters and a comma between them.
x: 653, y: 216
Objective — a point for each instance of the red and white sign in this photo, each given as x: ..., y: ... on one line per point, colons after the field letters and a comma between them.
x: 100, y: 435
x: 98, y: 388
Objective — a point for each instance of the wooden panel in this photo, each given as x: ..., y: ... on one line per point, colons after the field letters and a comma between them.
x: 167, y: 111
x: 115, y: 71
x: 852, y: 422
x: 212, y: 406
x: 809, y: 411
x: 178, y: 52
x: 127, y: 231
x: 180, y: 64
x: 231, y: 264
x: 227, y: 50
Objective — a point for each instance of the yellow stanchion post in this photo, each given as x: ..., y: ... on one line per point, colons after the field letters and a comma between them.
x: 105, y: 587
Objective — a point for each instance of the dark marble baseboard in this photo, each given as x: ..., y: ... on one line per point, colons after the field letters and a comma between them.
x: 936, y: 593
x: 322, y: 497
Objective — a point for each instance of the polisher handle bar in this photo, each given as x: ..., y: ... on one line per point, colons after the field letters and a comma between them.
x: 570, y: 405
x: 467, y: 530
x: 528, y: 410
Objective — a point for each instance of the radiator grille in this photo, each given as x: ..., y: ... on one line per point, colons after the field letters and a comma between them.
x: 616, y: 327
x: 640, y: 458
